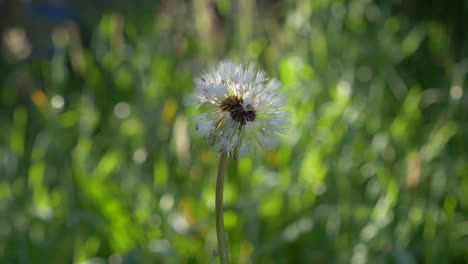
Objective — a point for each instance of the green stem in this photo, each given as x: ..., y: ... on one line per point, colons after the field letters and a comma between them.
x: 222, y: 245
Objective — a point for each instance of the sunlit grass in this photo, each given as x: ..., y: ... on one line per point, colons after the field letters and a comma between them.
x: 99, y: 163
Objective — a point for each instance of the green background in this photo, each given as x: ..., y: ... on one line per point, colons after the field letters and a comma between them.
x: 99, y: 162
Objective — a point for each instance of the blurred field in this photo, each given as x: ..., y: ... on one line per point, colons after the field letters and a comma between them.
x: 99, y: 162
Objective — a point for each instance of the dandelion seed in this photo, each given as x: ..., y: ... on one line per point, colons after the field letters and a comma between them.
x: 242, y: 109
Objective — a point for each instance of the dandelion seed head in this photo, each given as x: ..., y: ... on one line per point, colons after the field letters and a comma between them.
x: 242, y: 109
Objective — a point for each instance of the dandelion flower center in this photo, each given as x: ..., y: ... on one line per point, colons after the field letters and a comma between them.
x: 233, y: 105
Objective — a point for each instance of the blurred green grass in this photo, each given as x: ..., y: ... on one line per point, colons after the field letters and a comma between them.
x: 99, y: 162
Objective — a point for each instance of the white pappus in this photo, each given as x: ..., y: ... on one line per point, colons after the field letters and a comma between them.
x: 241, y: 109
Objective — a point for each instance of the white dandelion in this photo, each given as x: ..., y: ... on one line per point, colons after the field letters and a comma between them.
x: 242, y: 109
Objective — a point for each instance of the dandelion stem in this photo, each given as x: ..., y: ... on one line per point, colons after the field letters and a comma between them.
x: 222, y: 245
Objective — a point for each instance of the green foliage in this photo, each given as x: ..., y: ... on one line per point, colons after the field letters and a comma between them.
x: 99, y: 162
